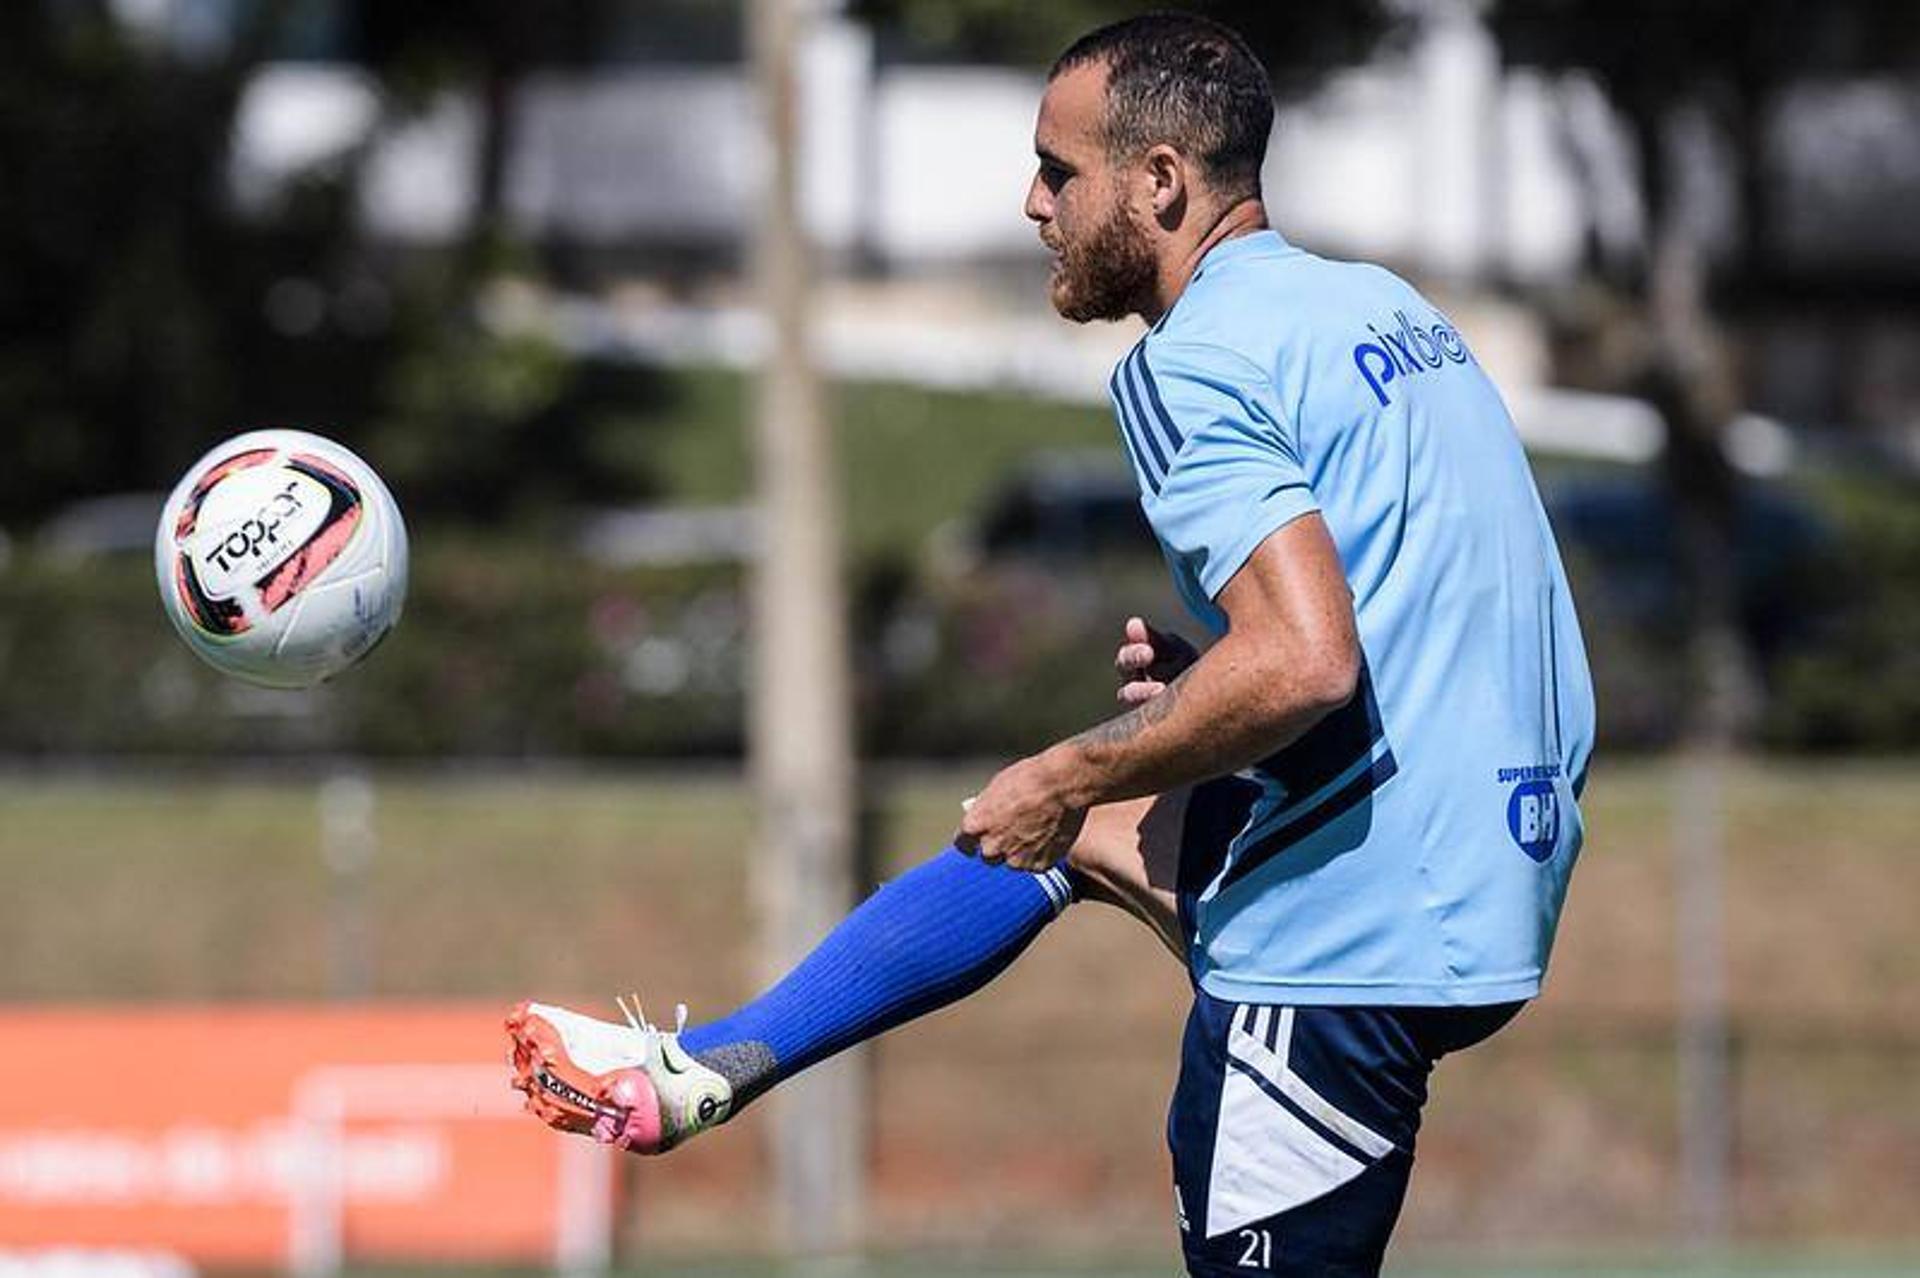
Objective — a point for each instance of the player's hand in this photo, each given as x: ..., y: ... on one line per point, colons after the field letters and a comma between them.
x: 1148, y: 660
x: 1019, y: 819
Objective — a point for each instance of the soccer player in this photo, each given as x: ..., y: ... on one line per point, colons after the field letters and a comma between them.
x: 1353, y: 815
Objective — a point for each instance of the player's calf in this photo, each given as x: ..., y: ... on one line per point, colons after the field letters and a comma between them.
x: 930, y: 937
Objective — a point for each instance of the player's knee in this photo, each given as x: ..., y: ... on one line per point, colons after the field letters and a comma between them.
x: 1132, y: 847
x: 1108, y: 843
x: 1127, y: 856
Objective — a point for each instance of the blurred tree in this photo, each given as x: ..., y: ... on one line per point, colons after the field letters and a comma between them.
x: 421, y: 47
x: 1694, y: 82
x: 144, y: 315
x: 124, y: 293
x: 474, y: 424
x: 1301, y: 41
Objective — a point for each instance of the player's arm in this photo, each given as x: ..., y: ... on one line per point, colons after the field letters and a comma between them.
x: 1234, y: 504
x: 1290, y: 657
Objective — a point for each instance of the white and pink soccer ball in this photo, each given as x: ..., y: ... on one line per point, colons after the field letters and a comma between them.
x: 282, y: 558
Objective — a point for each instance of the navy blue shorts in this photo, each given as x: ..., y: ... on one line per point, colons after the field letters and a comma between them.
x: 1292, y: 1128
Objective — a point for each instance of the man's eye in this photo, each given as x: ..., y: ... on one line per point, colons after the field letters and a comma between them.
x: 1054, y: 176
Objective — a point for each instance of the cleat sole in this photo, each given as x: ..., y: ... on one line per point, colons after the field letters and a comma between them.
x: 616, y: 1108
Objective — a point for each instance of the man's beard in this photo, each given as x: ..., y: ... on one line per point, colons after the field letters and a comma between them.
x: 1108, y: 275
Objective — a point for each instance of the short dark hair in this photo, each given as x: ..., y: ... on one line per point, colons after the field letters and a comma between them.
x: 1186, y: 81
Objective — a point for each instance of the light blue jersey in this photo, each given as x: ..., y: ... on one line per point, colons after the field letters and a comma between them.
x: 1414, y: 847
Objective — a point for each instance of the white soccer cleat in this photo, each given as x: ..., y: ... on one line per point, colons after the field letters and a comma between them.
x: 630, y: 1084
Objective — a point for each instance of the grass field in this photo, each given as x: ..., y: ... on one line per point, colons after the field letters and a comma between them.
x: 931, y: 1267
x: 1555, y: 1139
x: 910, y: 458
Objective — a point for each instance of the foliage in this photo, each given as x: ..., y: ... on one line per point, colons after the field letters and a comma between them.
x: 513, y: 648
x: 1729, y: 58
x: 1859, y: 687
x: 1301, y: 41
x: 1724, y: 65
x: 517, y: 650
x: 129, y: 300
x: 1007, y: 659
x: 912, y: 460
x: 498, y: 654
x: 1647, y: 50
x: 143, y: 316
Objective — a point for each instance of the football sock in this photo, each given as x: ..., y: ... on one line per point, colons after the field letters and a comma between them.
x: 932, y: 936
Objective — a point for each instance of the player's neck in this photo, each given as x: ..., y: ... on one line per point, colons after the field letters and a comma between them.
x: 1178, y: 265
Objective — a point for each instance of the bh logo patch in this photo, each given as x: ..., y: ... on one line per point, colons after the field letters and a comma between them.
x: 1533, y: 818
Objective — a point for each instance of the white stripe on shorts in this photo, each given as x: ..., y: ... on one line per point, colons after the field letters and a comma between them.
x: 1251, y: 1049
x: 1266, y: 1160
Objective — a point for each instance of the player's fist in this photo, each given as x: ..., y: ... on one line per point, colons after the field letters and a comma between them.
x: 1148, y: 660
x: 1020, y: 818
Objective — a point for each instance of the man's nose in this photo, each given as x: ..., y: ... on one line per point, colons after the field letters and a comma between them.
x: 1039, y: 206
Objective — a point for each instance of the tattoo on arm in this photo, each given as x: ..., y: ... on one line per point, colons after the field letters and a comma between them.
x: 1125, y: 727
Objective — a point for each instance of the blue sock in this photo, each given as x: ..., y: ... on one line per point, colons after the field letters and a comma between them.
x: 932, y: 936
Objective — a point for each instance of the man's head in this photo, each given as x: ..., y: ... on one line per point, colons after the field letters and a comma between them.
x: 1150, y: 130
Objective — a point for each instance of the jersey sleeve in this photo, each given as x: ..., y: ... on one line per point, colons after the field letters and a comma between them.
x: 1233, y: 472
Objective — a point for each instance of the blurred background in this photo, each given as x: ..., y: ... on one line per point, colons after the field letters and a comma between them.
x: 650, y: 310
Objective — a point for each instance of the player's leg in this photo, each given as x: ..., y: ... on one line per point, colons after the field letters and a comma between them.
x: 924, y: 940
x: 1292, y: 1128
x: 1152, y: 857
x: 1128, y: 856
x: 932, y: 936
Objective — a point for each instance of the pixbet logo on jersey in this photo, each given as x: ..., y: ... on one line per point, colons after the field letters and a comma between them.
x: 1406, y: 351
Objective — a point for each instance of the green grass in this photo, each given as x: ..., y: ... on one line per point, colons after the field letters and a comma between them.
x: 1744, y: 1266
x: 910, y: 458
x: 1555, y: 1139
x: 1775, y: 1267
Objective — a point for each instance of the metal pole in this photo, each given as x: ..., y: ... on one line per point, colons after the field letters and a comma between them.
x: 1704, y: 1080
x: 348, y: 845
x: 801, y: 725
x: 1694, y: 391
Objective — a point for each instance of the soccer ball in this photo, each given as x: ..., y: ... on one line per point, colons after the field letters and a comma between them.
x: 282, y: 558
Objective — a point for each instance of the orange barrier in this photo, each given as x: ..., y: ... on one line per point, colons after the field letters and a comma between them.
x: 271, y: 1134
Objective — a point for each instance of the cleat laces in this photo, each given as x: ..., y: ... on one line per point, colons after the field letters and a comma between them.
x: 636, y: 1017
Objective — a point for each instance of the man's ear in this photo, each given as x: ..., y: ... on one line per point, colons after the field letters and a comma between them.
x: 1166, y: 172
